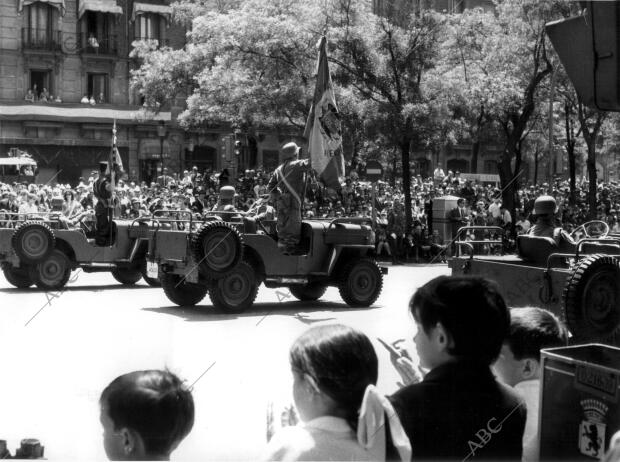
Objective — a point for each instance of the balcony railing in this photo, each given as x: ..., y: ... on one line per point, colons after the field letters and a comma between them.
x: 108, y: 45
x: 41, y: 39
x: 158, y: 42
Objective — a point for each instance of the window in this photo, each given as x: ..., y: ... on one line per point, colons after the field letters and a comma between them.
x: 98, y: 87
x: 98, y: 31
x: 41, y: 18
x: 150, y: 26
x: 490, y: 166
x: 41, y: 83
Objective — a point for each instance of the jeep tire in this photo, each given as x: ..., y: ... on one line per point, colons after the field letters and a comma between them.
x: 126, y: 276
x: 33, y: 241
x: 180, y: 291
x: 53, y: 272
x: 308, y: 292
x: 235, y: 292
x: 17, y: 277
x: 592, y: 300
x: 361, y: 282
x: 217, y: 248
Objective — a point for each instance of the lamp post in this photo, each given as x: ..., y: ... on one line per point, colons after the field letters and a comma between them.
x: 161, y: 132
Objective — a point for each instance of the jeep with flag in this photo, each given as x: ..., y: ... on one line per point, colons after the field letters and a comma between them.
x: 231, y: 254
x: 43, y: 249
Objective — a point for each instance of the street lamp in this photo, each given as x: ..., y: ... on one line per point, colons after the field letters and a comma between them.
x: 161, y: 132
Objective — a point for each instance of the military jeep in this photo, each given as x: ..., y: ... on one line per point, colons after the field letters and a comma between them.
x: 41, y: 250
x: 230, y: 255
x: 580, y: 284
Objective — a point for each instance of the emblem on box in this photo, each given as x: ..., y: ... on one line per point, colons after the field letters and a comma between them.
x: 592, y: 428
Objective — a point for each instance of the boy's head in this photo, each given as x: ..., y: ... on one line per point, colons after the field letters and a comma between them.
x: 145, y: 415
x: 531, y: 330
x: 459, y: 318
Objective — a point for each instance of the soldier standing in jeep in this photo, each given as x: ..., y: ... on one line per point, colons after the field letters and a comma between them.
x: 287, y: 188
x: 102, y: 189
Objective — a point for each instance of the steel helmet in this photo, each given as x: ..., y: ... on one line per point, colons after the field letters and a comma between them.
x: 289, y: 150
x: 227, y: 192
x: 545, y: 205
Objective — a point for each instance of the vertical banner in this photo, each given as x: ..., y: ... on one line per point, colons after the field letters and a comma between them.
x: 323, y: 129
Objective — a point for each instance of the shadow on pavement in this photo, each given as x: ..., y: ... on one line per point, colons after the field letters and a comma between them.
x: 206, y: 312
x: 90, y: 288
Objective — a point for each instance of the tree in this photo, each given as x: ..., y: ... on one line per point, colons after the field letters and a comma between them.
x: 384, y: 63
x: 590, y: 121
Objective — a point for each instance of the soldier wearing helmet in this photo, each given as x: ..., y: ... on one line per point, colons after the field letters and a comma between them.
x: 286, y: 187
x: 545, y: 209
x: 226, y: 199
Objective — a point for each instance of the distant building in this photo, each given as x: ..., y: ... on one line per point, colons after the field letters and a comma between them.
x: 64, y: 79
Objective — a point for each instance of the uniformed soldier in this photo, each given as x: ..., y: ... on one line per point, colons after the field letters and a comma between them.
x: 545, y: 209
x: 102, y: 190
x: 225, y: 201
x: 287, y: 188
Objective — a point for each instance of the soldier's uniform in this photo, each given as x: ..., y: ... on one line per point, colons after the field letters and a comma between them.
x: 102, y: 191
x: 225, y: 201
x: 287, y: 182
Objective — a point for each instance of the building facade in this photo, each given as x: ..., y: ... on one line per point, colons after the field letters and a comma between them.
x: 65, y: 71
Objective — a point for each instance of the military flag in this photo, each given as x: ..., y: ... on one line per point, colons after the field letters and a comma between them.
x: 323, y: 130
x: 115, y: 163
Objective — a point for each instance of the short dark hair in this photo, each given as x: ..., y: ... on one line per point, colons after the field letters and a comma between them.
x: 153, y: 403
x: 341, y: 360
x: 471, y: 309
x: 532, y: 329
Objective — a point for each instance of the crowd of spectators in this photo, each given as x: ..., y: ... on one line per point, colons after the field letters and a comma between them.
x: 198, y: 192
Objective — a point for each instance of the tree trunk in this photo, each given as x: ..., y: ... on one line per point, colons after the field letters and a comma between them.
x: 404, y: 147
x: 536, y: 159
x: 475, y: 150
x: 591, y: 163
x: 394, y: 165
x: 570, y: 151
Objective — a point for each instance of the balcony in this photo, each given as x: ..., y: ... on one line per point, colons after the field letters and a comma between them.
x: 41, y: 39
x: 108, y: 45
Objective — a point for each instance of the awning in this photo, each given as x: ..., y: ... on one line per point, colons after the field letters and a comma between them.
x: 17, y: 161
x: 102, y: 6
x: 60, y: 4
x: 141, y: 8
x: 77, y: 113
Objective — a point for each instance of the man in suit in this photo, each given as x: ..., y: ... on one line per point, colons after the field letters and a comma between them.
x: 459, y: 411
x: 458, y: 217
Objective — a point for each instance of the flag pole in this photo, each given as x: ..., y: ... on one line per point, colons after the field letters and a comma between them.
x: 112, y: 184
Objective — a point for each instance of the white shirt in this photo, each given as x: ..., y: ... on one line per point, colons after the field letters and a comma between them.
x: 323, y: 438
x: 494, y: 210
x: 530, y: 392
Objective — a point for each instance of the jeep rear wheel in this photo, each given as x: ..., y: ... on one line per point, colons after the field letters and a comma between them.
x: 53, y: 272
x: 592, y: 300
x: 217, y: 249
x: 126, y: 276
x: 181, y: 292
x: 361, y: 282
x: 17, y: 277
x: 308, y: 292
x: 33, y: 241
x: 235, y: 292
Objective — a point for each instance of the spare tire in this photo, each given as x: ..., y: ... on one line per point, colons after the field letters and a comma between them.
x: 217, y: 248
x: 33, y: 241
x: 592, y: 299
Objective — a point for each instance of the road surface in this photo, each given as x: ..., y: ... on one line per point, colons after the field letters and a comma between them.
x: 59, y: 350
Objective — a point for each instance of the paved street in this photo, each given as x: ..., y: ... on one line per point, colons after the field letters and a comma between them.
x: 55, y: 367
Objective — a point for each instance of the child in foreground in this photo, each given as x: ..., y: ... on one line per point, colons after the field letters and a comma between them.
x: 334, y: 370
x: 459, y: 411
x: 145, y: 415
x: 518, y: 365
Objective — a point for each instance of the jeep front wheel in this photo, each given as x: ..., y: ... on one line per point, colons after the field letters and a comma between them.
x: 126, y: 276
x: 235, y: 292
x: 308, y: 292
x: 361, y: 282
x: 181, y: 292
x: 17, y: 277
x: 53, y: 272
